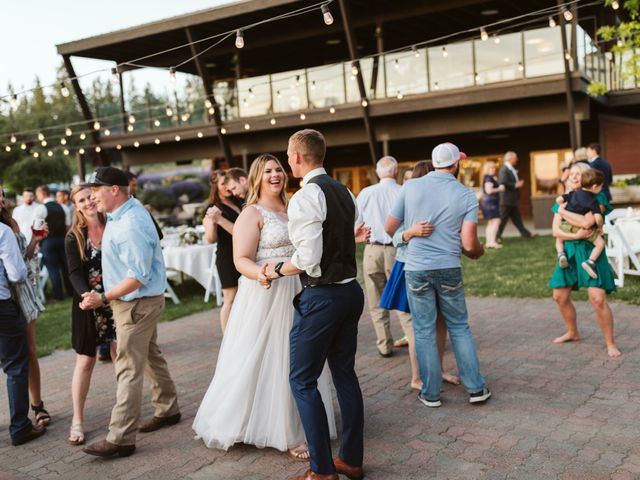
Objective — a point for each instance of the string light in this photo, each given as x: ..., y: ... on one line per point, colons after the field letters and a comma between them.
x: 399, y: 95
x: 68, y: 132
x: 23, y: 146
x: 172, y: 74
x: 484, y: 36
x: 477, y: 77
x: 364, y: 102
x: 520, y: 67
x: 132, y: 118
x: 14, y: 101
x: 64, y: 91
x: 568, y: 16
x: 129, y: 128
x: 247, y: 126
x: 297, y: 80
x: 332, y: 110
x: 96, y: 125
x: 619, y: 42
x: 63, y: 141
x: 200, y: 135
x: 223, y: 131
x: 40, y: 136
x: 81, y: 151
x: 251, y: 95
x: 7, y: 148
x: 157, y: 141
x: 65, y: 151
x: 168, y: 110
x: 43, y: 143
x: 567, y: 55
x: 444, y: 52
x: 212, y: 111
x: 13, y: 139
x: 354, y: 70
x: 245, y: 104
x: 156, y: 122
x: 239, y: 39
x: 278, y: 94
x: 115, y: 78
x: 396, y: 64
x: 83, y: 136
x: 136, y: 144
x: 496, y: 39
x: 552, y: 22
x: 615, y: 5
x: 207, y: 103
x: 416, y: 52
x: 118, y: 147
x: 36, y: 154
x: 107, y: 132
x: 98, y: 149
x: 326, y: 14
x: 185, y: 116
x: 313, y: 85
x: 303, y: 116
x: 177, y: 138
x: 50, y: 153
x: 436, y: 86
x: 272, y: 121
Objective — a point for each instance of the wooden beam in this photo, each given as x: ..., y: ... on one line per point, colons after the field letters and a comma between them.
x: 571, y: 107
x: 208, y: 88
x: 374, y: 149
x: 84, y: 106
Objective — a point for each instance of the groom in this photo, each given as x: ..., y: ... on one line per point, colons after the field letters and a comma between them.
x: 325, y: 326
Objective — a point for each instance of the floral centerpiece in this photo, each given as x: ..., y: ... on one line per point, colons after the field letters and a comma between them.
x: 190, y: 236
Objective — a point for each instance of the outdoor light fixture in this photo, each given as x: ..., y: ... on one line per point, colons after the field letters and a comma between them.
x: 484, y: 36
x: 247, y: 126
x: 115, y: 78
x: 297, y: 80
x: 278, y: 94
x: 396, y: 64
x: 245, y: 104
x: 177, y: 138
x: 14, y: 101
x: 615, y: 5
x: 81, y: 151
x: 83, y: 136
x: 68, y: 132
x: 64, y: 91
x: 43, y: 143
x: 65, y: 151
x: 168, y: 110
x: 118, y: 147
x: 40, y: 136
x: 129, y: 128
x: 326, y: 14
x: 136, y: 144
x: 364, y: 102
x: 272, y: 121
x: 23, y: 146
x: 568, y: 16
x: 96, y: 125
x: 251, y: 95
x: 619, y: 42
x: 36, y: 154
x: 207, y: 103
x: 13, y: 139
x: 63, y: 141
x: 185, y: 116
x: 313, y: 85
x: 303, y: 116
x: 157, y: 141
x: 552, y: 22
x: 200, y: 135
x: 239, y: 39
x: 132, y: 118
x: 211, y: 111
x: 496, y: 39
x: 444, y: 52
x: 399, y: 95
x: 520, y: 67
x: 567, y: 55
x: 107, y: 132
x: 7, y: 148
x: 223, y: 130
x: 98, y: 149
x: 436, y: 86
x: 332, y: 110
x: 354, y: 69
x: 477, y: 77
x: 172, y: 74
x: 156, y: 123
x: 415, y: 51
x: 50, y: 153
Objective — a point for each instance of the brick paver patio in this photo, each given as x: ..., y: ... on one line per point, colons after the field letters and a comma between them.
x: 563, y: 412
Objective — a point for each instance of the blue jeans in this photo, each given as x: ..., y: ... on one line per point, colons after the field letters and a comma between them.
x: 429, y: 290
x: 15, y: 363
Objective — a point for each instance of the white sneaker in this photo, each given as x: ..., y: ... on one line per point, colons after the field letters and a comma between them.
x: 481, y: 396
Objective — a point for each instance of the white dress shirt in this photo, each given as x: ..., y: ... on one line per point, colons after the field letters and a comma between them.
x: 307, y: 212
x: 375, y: 204
x: 24, y: 215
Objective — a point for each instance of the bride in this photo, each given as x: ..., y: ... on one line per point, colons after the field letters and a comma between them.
x: 249, y: 399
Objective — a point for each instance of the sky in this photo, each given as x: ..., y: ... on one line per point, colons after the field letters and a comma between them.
x: 31, y: 29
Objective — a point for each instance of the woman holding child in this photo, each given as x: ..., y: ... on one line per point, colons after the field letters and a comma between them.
x: 578, y: 250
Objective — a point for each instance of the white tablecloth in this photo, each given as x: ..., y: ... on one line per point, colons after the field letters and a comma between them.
x: 194, y: 260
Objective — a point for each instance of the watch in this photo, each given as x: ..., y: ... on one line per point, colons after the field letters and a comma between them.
x: 277, y: 269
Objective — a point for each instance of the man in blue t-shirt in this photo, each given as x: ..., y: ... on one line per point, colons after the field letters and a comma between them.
x: 433, y: 273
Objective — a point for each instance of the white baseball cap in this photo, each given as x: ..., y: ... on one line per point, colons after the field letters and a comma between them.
x: 446, y: 154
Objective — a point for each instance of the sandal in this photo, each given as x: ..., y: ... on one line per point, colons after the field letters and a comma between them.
x: 76, y: 432
x: 42, y: 416
x: 300, y: 453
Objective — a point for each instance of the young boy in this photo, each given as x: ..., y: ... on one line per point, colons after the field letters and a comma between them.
x: 583, y: 202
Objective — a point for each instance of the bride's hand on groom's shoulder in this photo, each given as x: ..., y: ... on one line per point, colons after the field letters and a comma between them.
x: 262, y: 276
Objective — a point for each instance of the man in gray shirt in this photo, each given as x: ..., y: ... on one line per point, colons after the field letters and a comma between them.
x: 433, y: 273
x: 13, y: 341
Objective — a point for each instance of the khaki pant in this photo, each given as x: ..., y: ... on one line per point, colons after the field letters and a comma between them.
x: 377, y: 264
x: 138, y: 354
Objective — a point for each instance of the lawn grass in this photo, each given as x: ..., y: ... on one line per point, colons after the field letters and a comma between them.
x: 54, y: 325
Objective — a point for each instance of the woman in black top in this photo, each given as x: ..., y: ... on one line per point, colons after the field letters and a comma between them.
x: 218, y: 225
x: 89, y: 328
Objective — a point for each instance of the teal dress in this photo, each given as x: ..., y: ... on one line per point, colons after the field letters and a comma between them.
x: 578, y: 251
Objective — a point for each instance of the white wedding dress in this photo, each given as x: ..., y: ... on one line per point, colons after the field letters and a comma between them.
x: 249, y: 399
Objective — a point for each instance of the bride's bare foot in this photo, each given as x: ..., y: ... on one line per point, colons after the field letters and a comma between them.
x: 300, y: 453
x: 452, y: 379
x: 613, y: 351
x: 567, y: 337
x: 416, y: 385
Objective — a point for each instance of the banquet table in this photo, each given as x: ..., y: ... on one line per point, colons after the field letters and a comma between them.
x: 194, y: 260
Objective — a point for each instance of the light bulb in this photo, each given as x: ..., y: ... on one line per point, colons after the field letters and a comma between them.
x: 40, y: 136
x: 211, y: 111
x: 156, y: 123
x: 136, y: 144
x: 552, y: 22
x: 619, y: 42
x: 64, y: 91
x: 115, y: 78
x: 303, y: 116
x: 96, y: 125
x: 168, y: 110
x: 36, y: 154
x: 223, y: 131
x: 245, y: 104
x: 50, y: 153
x: 247, y: 126
x: 129, y: 128
x: 567, y: 55
x: 496, y: 39
x: 7, y: 148
x: 520, y: 67
x: 207, y: 103
x: 251, y: 95
x: 615, y: 5
x: 23, y: 146
x: 239, y: 39
x: 14, y: 101
x: 43, y: 143
x: 65, y: 151
x: 63, y: 141
x: 172, y: 74
x: 13, y: 139
x: 200, y: 135
x: 313, y: 85
x: 132, y: 118
x: 396, y: 64
x: 399, y: 95
x: 354, y: 70
x: 272, y: 121
x: 118, y: 147
x: 68, y: 132
x: 326, y: 15
x: 83, y: 136
x: 107, y: 132
x: 278, y: 94
x: 436, y: 86
x: 477, y: 77
x: 98, y: 149
x: 81, y: 151
x: 568, y: 16
x: 415, y: 51
x: 444, y: 52
x: 484, y: 36
x: 364, y: 102
x: 177, y: 138
x: 157, y: 141
x: 297, y: 80
x: 332, y: 110
x: 184, y: 117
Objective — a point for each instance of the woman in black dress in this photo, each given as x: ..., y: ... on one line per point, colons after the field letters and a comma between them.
x: 89, y: 328
x: 222, y: 213
x: 490, y: 203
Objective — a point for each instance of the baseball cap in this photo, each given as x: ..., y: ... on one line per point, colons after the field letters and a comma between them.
x: 108, y: 176
x: 446, y: 154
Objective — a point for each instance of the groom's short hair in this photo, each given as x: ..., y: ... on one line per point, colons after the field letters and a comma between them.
x: 311, y: 144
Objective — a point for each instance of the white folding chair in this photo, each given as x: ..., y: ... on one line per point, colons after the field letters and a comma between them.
x: 622, y: 254
x: 168, y: 292
x: 214, y: 281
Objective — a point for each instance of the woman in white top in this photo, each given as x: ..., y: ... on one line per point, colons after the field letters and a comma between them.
x: 249, y: 399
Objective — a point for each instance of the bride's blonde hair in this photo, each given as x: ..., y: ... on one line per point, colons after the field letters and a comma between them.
x: 255, y: 179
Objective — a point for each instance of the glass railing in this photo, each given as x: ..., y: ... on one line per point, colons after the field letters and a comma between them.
x: 509, y: 57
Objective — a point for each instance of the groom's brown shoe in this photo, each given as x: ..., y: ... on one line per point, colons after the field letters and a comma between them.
x: 104, y: 448
x: 309, y: 475
x: 353, y: 473
x: 156, y: 423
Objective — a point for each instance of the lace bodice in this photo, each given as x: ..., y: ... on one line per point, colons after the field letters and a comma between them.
x: 274, y: 237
